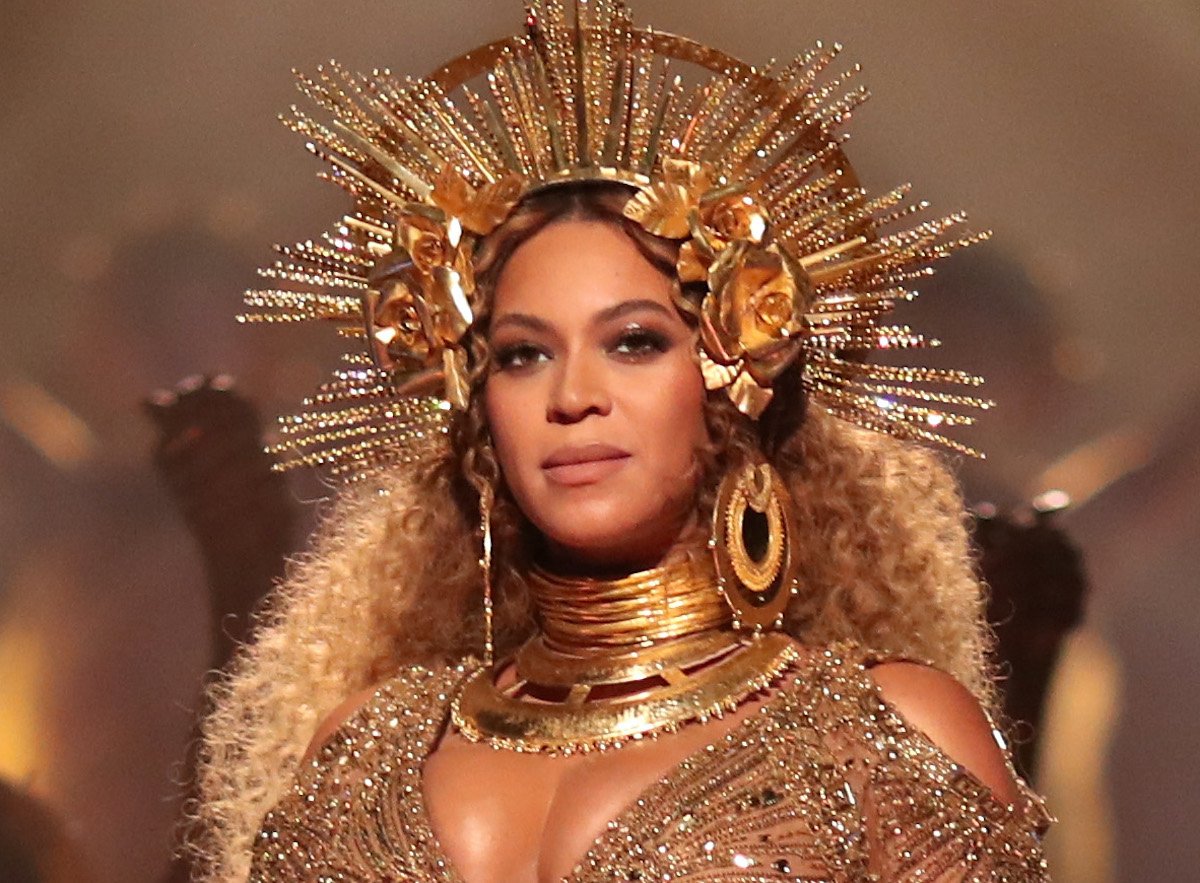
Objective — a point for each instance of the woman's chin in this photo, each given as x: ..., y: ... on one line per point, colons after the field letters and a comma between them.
x: 612, y: 527
x: 609, y: 546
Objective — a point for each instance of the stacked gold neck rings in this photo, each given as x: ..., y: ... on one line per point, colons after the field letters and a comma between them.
x: 634, y: 611
x: 621, y: 659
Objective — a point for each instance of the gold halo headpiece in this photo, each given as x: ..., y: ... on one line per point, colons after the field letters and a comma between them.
x: 743, y: 166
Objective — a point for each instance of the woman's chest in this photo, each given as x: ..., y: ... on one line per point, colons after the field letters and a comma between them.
x: 529, y: 818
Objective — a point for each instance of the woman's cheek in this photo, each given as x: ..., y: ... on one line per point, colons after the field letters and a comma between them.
x: 515, y: 434
x: 679, y: 410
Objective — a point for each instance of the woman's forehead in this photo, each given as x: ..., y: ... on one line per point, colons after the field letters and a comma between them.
x: 574, y: 271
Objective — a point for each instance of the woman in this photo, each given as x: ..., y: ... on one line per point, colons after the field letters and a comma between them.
x: 735, y: 632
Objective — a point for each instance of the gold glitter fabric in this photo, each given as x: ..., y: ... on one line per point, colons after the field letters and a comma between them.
x: 825, y: 782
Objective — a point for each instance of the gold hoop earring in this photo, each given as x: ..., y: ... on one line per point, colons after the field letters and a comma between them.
x: 751, y: 543
x: 486, y: 499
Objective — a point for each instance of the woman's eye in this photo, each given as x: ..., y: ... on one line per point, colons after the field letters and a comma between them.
x: 637, y: 342
x: 516, y: 356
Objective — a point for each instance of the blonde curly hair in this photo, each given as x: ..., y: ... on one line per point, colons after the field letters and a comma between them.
x: 883, y: 542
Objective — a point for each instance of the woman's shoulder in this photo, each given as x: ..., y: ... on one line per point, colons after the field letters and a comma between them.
x: 417, y: 689
x: 371, y: 745
x: 947, y: 715
x: 899, y: 708
x: 925, y: 765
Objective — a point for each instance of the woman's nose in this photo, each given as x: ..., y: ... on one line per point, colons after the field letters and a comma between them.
x: 580, y: 389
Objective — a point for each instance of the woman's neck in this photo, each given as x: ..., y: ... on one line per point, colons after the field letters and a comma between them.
x: 638, y: 610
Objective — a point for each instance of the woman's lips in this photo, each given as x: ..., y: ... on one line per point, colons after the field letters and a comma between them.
x: 573, y: 466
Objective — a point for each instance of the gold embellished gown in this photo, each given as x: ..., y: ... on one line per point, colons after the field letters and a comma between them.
x: 824, y: 782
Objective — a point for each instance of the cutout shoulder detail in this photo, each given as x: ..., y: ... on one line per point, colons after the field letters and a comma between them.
x: 951, y: 718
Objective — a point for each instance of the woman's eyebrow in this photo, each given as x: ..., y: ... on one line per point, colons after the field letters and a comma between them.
x: 616, y: 311
x: 608, y: 314
x: 521, y: 320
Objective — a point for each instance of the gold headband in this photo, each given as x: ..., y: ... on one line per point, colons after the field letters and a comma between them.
x: 744, y: 167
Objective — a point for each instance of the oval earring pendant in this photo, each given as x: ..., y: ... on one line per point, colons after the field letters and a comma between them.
x: 752, y: 545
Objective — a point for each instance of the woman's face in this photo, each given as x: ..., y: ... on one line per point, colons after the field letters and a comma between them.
x: 595, y: 402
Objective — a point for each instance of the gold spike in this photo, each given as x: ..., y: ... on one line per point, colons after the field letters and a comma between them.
x: 802, y: 73
x: 547, y: 98
x: 840, y: 303
x: 675, y: 121
x: 707, y: 97
x: 923, y: 395
x: 347, y: 167
x: 651, y: 93
x: 743, y: 152
x: 370, y: 227
x: 460, y: 130
x: 309, y: 304
x: 738, y: 105
x: 505, y: 102
x: 531, y: 121
x: 558, y: 58
x: 294, y: 273
x: 582, y: 111
x: 624, y: 153
x: 479, y: 122
x: 819, y: 97
x: 600, y: 82
x: 409, y: 179
x: 486, y: 111
x: 618, y: 105
x: 838, y: 112
x: 650, y: 159
x: 893, y: 373
x: 425, y: 138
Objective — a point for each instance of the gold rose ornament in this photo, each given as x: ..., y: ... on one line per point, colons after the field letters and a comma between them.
x: 419, y: 305
x: 752, y: 316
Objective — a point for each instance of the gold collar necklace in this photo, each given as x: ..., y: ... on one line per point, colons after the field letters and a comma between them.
x: 618, y: 660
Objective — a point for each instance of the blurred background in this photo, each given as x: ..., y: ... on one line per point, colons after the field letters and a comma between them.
x: 143, y: 178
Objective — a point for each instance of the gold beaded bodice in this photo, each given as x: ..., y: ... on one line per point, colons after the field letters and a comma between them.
x: 825, y: 781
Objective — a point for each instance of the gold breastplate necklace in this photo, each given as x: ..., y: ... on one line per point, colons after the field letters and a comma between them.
x: 618, y: 660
